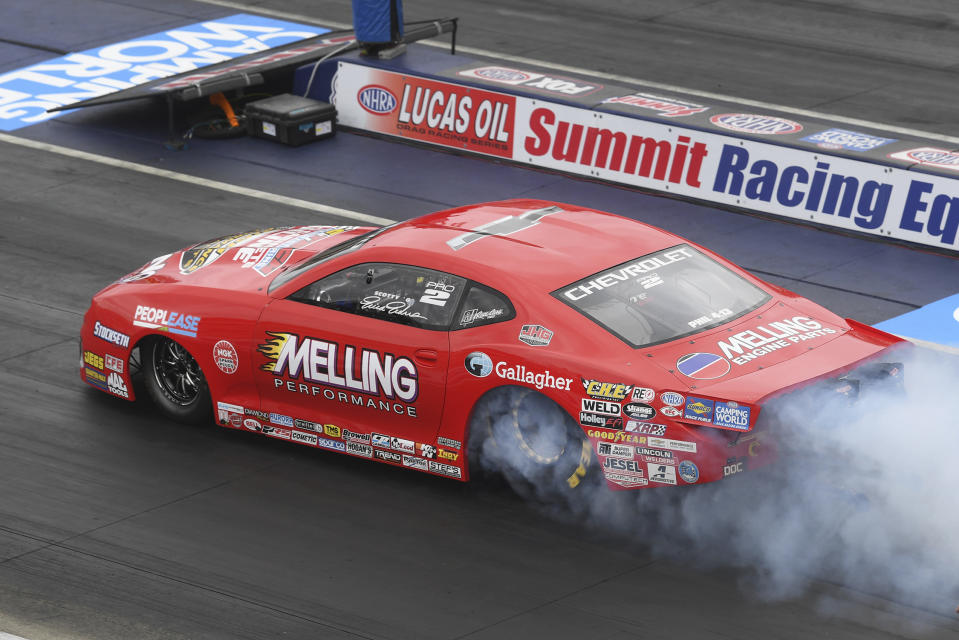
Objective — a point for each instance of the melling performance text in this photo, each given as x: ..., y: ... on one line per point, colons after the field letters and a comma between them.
x: 321, y: 362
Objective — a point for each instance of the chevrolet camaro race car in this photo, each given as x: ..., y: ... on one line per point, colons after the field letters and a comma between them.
x: 554, y: 342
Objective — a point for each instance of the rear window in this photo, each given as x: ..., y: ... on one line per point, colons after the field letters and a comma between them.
x: 662, y: 296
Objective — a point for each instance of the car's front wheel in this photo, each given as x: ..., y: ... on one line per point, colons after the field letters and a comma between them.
x: 530, y: 440
x: 174, y: 381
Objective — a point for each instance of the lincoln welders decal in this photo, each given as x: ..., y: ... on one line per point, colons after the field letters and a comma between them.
x: 26, y: 94
x: 309, y: 362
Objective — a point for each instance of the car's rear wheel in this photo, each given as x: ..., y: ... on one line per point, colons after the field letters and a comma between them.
x: 531, y: 441
x: 174, y: 380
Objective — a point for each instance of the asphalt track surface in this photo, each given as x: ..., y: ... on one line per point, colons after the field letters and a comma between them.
x: 115, y: 523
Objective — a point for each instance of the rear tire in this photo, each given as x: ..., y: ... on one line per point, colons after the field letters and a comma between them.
x: 174, y: 381
x: 531, y: 441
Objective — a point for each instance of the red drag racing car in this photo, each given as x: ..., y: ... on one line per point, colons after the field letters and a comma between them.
x: 557, y: 342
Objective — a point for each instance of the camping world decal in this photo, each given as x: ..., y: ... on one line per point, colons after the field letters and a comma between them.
x: 26, y: 94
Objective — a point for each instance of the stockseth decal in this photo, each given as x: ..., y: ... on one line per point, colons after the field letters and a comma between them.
x: 111, y: 335
x: 164, y: 320
x: 750, y: 123
x: 666, y: 107
x: 320, y: 362
x: 26, y: 94
x: 848, y: 140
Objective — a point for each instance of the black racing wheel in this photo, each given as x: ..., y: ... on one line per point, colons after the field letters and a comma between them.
x: 174, y: 380
x: 531, y: 441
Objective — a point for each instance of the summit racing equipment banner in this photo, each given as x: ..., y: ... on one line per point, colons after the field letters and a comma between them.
x: 791, y: 182
x: 26, y: 94
x: 412, y: 107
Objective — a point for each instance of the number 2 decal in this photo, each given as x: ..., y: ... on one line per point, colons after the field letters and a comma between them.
x: 435, y: 296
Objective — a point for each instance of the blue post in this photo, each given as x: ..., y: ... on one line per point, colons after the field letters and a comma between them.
x: 378, y: 23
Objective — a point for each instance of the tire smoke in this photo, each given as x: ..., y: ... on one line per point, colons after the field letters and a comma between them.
x: 865, y: 494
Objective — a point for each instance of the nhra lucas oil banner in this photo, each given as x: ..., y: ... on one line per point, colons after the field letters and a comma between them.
x: 735, y: 172
x: 425, y: 110
x: 26, y: 94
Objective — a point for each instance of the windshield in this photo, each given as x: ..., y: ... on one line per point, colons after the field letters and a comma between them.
x: 662, y: 296
x: 344, y: 247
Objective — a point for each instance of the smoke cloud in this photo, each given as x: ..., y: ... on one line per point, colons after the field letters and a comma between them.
x: 865, y: 494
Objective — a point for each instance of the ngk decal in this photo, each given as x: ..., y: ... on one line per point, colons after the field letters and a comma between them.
x: 425, y: 110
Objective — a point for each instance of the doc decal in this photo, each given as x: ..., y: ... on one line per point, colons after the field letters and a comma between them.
x: 225, y: 356
x: 165, y: 320
x: 308, y: 362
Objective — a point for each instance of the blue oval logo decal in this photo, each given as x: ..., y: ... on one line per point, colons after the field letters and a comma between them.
x: 376, y: 99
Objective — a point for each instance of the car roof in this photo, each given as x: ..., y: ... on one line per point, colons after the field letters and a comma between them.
x: 547, y: 243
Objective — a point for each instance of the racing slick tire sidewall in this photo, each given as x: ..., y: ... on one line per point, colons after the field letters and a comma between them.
x: 194, y: 410
x: 501, y: 442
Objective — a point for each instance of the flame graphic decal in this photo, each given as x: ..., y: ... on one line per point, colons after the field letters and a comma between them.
x: 272, y: 348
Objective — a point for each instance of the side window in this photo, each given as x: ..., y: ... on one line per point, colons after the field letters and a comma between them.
x: 393, y: 292
x: 483, y: 306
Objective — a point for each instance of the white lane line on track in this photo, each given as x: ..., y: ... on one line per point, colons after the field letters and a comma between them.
x: 903, y: 131
x: 10, y: 636
x: 203, y: 182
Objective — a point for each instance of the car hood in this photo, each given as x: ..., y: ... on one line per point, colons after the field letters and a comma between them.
x: 767, y: 352
x: 242, y: 261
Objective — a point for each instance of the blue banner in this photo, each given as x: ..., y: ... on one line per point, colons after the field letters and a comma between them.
x: 26, y: 94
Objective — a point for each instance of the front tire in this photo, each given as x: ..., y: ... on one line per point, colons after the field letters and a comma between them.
x: 174, y: 381
x: 531, y: 441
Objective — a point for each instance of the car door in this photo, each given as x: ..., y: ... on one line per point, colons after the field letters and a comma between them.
x: 364, y: 349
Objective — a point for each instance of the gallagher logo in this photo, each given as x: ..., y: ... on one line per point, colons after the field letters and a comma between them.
x: 749, y: 123
x: 702, y: 366
x: 376, y: 99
